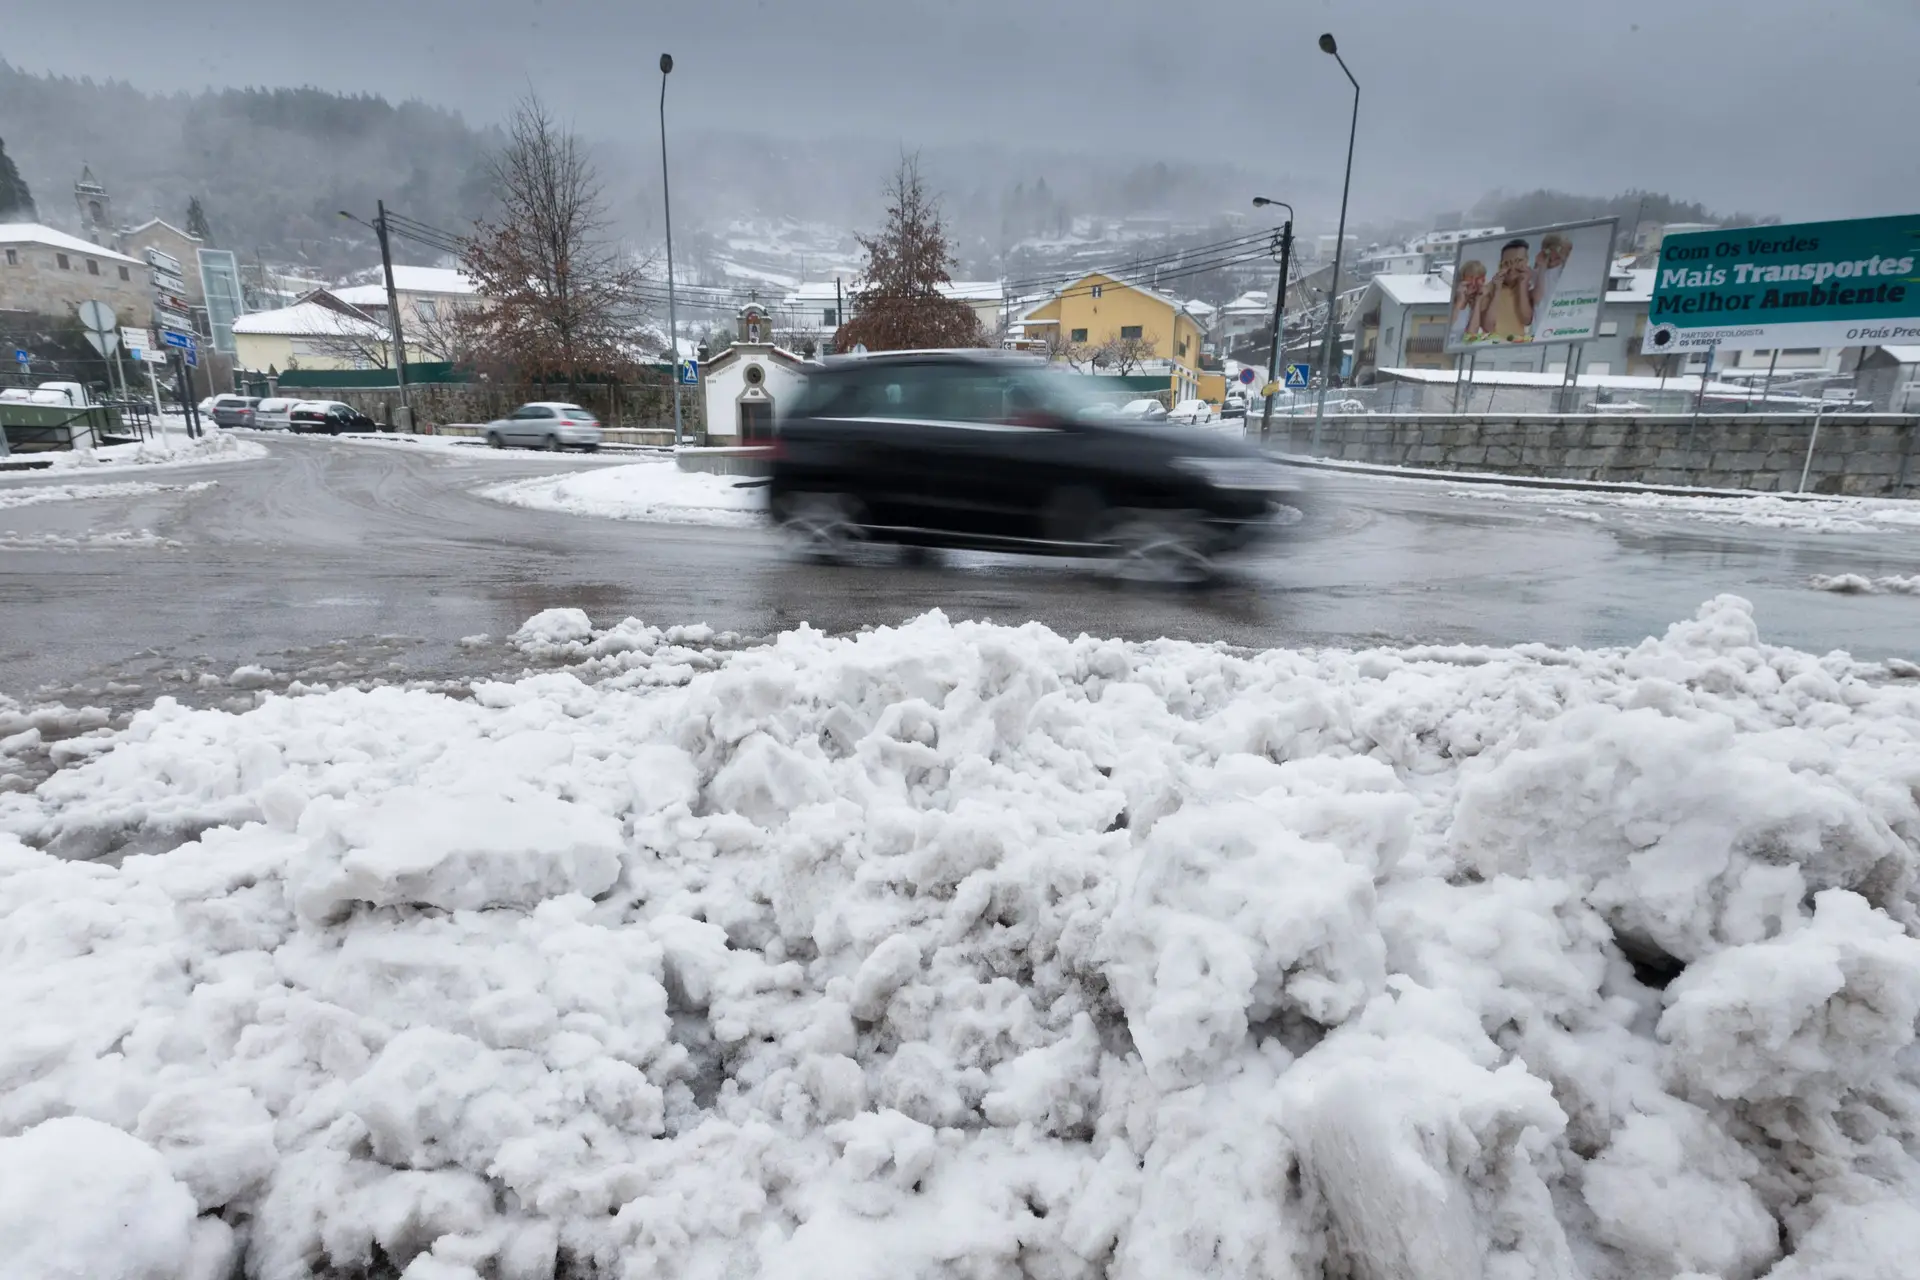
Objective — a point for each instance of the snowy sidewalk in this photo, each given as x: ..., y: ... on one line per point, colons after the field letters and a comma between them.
x: 170, y: 446
x: 964, y: 950
x: 655, y: 491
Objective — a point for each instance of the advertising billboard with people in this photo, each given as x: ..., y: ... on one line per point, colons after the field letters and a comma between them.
x: 1520, y: 287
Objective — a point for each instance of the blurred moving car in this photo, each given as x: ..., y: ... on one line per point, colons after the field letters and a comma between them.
x: 273, y: 414
x: 1192, y: 411
x: 546, y: 424
x: 233, y: 411
x: 329, y: 417
x: 986, y: 451
x: 1144, y: 410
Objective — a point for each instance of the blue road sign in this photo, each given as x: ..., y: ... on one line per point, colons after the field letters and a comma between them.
x: 193, y: 358
x: 689, y: 372
x: 1298, y: 375
x: 175, y: 338
x: 22, y: 357
x: 1246, y: 377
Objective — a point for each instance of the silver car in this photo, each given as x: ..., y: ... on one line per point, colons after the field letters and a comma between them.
x: 546, y: 424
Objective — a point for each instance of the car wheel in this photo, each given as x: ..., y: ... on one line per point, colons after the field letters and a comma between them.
x: 1074, y: 515
x: 553, y: 444
x: 494, y: 441
x: 1162, y: 547
x: 821, y: 525
x: 591, y: 448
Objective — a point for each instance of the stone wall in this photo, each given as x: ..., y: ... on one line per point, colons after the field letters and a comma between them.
x: 1862, y: 454
x: 441, y: 403
x: 36, y: 282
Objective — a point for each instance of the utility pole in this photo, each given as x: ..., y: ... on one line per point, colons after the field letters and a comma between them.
x: 839, y: 314
x: 666, y: 199
x: 1328, y: 46
x: 1279, y: 314
x: 393, y: 321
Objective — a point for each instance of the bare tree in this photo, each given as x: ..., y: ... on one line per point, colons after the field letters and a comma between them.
x: 900, y: 305
x: 561, y: 297
x: 1126, y: 354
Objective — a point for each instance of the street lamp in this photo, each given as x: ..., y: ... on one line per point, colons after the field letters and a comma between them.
x: 379, y: 228
x: 1279, y: 312
x: 1327, y: 45
x: 666, y: 199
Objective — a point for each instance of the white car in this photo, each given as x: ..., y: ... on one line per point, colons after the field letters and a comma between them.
x: 1144, y: 410
x: 1192, y: 411
x: 275, y: 413
x: 546, y: 424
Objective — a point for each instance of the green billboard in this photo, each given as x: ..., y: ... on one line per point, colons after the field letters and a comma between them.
x: 1815, y: 284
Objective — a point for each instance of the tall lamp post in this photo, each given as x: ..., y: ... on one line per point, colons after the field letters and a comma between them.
x: 1327, y: 45
x: 379, y: 228
x: 673, y: 319
x: 1279, y: 311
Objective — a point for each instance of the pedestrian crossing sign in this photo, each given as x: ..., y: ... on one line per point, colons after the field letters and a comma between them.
x: 1297, y: 376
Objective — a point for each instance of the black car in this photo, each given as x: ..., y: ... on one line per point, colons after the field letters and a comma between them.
x: 328, y: 416
x: 985, y: 451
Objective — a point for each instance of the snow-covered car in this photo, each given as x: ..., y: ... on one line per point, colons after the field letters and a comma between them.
x: 273, y: 414
x: 546, y: 424
x: 328, y: 417
x: 1192, y: 411
x: 1144, y: 410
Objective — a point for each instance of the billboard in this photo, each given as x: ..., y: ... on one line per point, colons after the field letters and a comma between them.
x: 1815, y: 284
x: 1545, y: 285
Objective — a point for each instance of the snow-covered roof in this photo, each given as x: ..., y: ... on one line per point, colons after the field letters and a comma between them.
x: 162, y: 222
x: 1640, y: 288
x: 406, y: 279
x: 1905, y: 355
x: 1195, y: 307
x: 309, y: 320
x: 1411, y: 290
x: 40, y: 233
x: 1255, y: 302
x: 812, y: 293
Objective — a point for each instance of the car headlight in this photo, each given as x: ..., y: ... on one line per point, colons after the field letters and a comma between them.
x: 1236, y: 473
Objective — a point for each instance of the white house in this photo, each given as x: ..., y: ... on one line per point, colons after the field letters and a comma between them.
x: 748, y: 383
x: 318, y: 332
x: 811, y: 312
x: 424, y: 293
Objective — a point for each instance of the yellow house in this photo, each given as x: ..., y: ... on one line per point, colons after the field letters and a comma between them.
x: 1099, y: 310
x: 318, y: 332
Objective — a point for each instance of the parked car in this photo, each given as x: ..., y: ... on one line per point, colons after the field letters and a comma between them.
x: 979, y: 450
x: 546, y: 424
x: 1144, y: 410
x: 330, y: 417
x: 273, y: 414
x: 234, y: 411
x: 1192, y: 411
x: 1235, y: 406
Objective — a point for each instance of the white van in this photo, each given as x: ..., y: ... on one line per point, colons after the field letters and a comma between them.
x: 274, y: 414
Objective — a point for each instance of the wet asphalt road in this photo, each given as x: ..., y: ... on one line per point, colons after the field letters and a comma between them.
x: 377, y: 558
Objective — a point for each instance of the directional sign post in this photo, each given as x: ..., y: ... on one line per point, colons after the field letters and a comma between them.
x: 175, y: 338
x: 1298, y: 376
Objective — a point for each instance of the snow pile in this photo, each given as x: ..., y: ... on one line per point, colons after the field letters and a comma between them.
x: 173, y: 448
x: 29, y: 495
x: 959, y: 950
x: 1856, y: 584
x: 1766, y: 511
x: 100, y: 540
x: 652, y: 491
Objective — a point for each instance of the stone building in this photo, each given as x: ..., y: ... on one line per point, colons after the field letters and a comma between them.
x: 52, y: 273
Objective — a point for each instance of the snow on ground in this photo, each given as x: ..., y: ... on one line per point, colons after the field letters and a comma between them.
x: 21, y: 495
x: 169, y: 448
x: 656, y: 491
x: 93, y: 540
x: 1860, y: 585
x: 1816, y: 515
x: 956, y: 950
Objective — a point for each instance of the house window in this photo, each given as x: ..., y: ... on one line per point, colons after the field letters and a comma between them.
x: 93, y: 268
x: 124, y: 275
x: 1183, y: 346
x: 13, y: 257
x: 1608, y: 328
x: 428, y: 309
x: 61, y: 258
x: 1133, y: 331
x: 1597, y: 367
x: 1078, y: 335
x: 1800, y: 351
x: 830, y: 315
x: 1096, y: 290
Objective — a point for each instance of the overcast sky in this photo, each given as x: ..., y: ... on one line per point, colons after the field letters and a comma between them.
x: 1764, y: 105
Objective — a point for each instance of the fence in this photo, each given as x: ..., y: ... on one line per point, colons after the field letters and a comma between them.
x: 1839, y: 453
x: 642, y: 406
